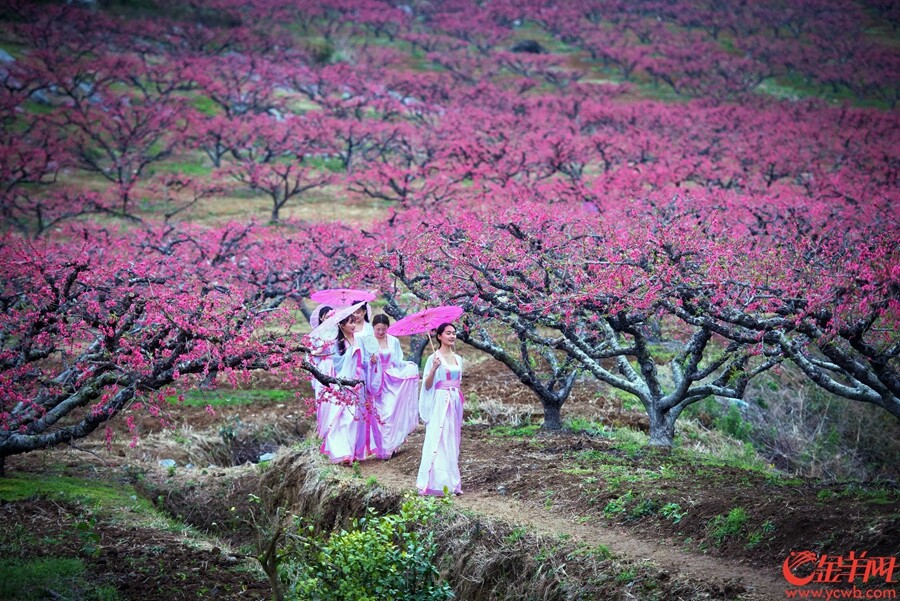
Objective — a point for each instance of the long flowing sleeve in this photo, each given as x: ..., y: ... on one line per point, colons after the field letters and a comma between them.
x: 426, y: 397
x: 396, y: 351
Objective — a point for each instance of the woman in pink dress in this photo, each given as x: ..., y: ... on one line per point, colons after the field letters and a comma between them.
x: 441, y: 407
x: 345, y: 434
x: 393, y: 393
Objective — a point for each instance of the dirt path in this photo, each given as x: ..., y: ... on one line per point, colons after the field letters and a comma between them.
x: 732, y: 575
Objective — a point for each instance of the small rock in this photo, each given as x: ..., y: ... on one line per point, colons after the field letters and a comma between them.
x: 501, y: 490
x: 267, y: 457
x: 167, y: 463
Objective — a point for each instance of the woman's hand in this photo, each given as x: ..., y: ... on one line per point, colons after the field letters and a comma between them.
x: 436, y: 364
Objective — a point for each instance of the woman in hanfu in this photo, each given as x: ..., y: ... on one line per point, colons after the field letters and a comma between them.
x: 345, y: 436
x: 441, y: 407
x: 393, y: 392
x: 363, y: 320
x: 322, y: 357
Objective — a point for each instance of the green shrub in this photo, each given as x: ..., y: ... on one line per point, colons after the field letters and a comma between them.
x: 733, y: 423
x: 672, y: 511
x: 619, y: 505
x: 722, y: 527
x: 379, y: 558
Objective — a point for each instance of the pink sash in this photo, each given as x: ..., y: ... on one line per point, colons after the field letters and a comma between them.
x: 450, y: 385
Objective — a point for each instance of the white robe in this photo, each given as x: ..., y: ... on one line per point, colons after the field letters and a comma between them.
x: 442, y: 410
x: 394, y: 392
x: 345, y: 437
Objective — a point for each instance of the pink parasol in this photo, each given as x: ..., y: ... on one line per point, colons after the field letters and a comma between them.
x: 327, y: 330
x: 341, y: 297
x: 426, y: 320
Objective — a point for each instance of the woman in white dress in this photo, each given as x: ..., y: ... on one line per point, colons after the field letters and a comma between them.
x: 393, y: 392
x: 363, y: 320
x: 441, y: 407
x: 345, y: 436
x: 322, y: 357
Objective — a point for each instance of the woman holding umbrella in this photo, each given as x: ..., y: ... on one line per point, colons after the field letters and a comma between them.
x: 441, y: 407
x: 344, y: 437
x: 322, y: 357
x: 344, y: 297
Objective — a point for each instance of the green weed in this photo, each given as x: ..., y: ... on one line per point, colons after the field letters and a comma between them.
x: 755, y: 537
x: 516, y: 535
x: 230, y: 398
x: 673, y: 512
x: 723, y: 527
x: 515, y: 431
x: 30, y: 579
x: 618, y: 505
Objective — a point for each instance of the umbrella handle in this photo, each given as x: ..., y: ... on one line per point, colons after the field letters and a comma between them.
x: 431, y: 343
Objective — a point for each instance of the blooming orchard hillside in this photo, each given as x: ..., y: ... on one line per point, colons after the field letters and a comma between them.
x: 589, y: 179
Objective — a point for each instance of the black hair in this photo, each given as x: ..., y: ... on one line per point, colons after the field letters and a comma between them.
x: 341, y: 339
x: 381, y: 318
x: 440, y: 329
x: 365, y: 308
x: 322, y: 311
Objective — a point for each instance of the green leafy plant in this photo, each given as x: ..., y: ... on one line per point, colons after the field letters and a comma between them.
x: 516, y: 535
x: 672, y: 511
x: 619, y: 505
x: 380, y: 557
x: 723, y: 527
x: 757, y: 536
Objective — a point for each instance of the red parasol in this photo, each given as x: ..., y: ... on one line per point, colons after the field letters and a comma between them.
x: 341, y: 297
x: 424, y: 321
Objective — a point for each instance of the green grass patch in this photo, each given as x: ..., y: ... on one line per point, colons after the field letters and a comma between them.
x: 875, y: 496
x: 630, y: 441
x: 232, y: 398
x: 672, y: 512
x: 206, y: 105
x: 764, y: 532
x: 89, y: 493
x: 662, y: 354
x: 530, y: 30
x: 515, y: 431
x: 579, y: 424
x: 729, y: 526
x: 116, y: 503
x: 181, y: 167
x: 38, y: 108
x: 332, y: 164
x: 31, y: 579
x: 629, y: 401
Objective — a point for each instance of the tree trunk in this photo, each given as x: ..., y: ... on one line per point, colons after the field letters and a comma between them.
x: 662, y: 427
x: 552, y: 419
x: 417, y: 349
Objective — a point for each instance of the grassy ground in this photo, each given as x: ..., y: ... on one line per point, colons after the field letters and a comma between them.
x: 95, y: 538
